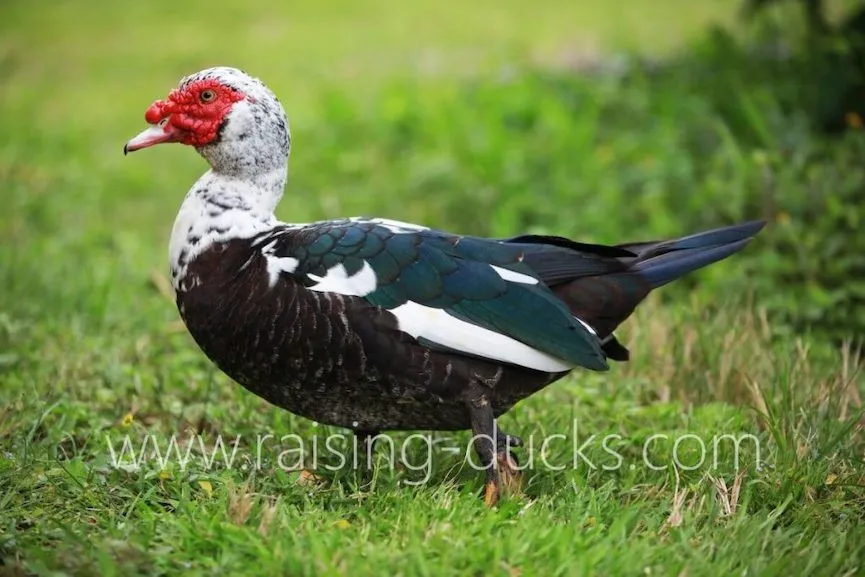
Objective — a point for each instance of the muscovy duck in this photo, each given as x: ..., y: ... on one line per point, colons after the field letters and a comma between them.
x: 373, y: 324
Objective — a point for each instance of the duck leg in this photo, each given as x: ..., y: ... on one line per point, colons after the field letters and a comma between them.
x: 483, y: 432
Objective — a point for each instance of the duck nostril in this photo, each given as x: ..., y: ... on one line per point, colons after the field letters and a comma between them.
x: 163, y: 122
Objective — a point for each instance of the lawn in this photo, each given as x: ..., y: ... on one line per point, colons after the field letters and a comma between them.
x: 733, y: 438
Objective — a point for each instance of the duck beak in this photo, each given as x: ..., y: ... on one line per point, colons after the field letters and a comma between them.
x: 153, y: 135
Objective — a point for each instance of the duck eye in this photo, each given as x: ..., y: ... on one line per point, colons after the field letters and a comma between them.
x: 207, y: 95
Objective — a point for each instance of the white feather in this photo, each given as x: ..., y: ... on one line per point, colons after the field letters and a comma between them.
x: 279, y: 264
x: 588, y: 326
x: 337, y: 280
x: 438, y: 326
x: 197, y: 226
x: 514, y: 276
x: 395, y: 226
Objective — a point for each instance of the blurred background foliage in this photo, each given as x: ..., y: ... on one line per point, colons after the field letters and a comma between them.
x: 759, y: 116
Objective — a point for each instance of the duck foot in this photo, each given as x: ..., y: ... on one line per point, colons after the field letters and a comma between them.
x: 507, y: 462
x: 505, y: 480
x: 509, y: 472
x: 492, y: 493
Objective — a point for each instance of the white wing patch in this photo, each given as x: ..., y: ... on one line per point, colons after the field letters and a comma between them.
x: 514, y: 276
x: 438, y: 326
x: 588, y: 327
x: 337, y: 280
x: 395, y: 226
x: 279, y: 264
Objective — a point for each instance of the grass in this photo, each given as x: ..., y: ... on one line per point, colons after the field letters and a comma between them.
x: 467, y: 121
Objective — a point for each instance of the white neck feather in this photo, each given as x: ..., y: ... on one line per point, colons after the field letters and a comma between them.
x: 219, y: 208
